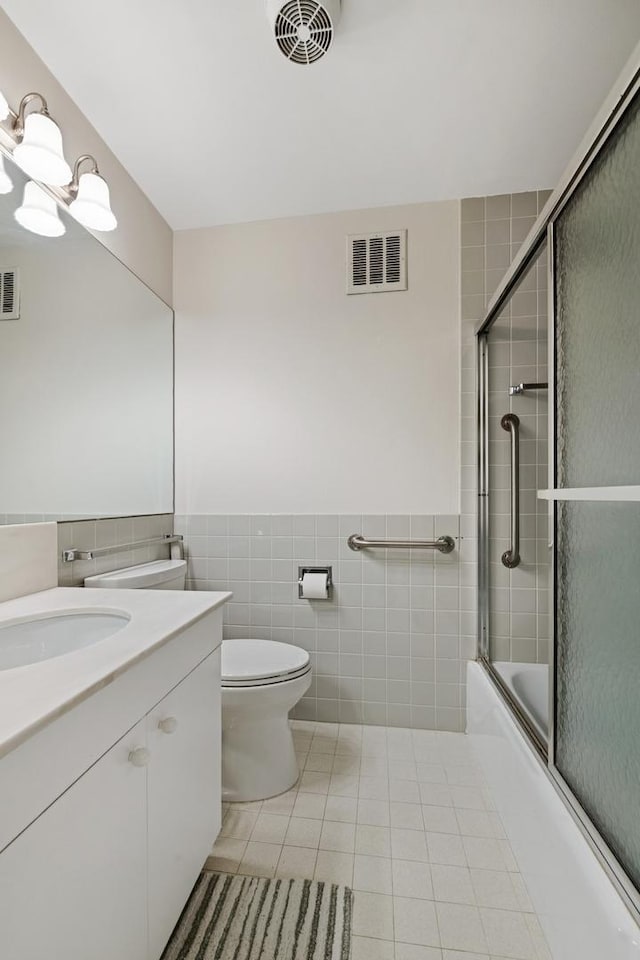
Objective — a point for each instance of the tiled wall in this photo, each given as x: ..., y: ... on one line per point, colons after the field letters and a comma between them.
x: 85, y: 534
x: 492, y: 231
x: 387, y: 648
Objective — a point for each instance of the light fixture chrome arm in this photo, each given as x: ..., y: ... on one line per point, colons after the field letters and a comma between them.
x: 18, y: 123
x: 73, y: 186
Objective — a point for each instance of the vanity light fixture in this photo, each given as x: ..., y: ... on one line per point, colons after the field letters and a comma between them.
x: 91, y: 205
x: 39, y: 150
x: 6, y: 183
x: 39, y: 212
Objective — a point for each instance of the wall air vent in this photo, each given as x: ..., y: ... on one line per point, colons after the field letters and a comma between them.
x: 9, y: 293
x: 377, y: 262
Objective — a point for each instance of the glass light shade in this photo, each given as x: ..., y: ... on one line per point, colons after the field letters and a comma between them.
x: 92, y: 206
x: 40, y: 154
x: 39, y: 212
x: 6, y: 183
x: 4, y: 107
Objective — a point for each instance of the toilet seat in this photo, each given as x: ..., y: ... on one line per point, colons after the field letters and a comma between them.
x: 253, y: 663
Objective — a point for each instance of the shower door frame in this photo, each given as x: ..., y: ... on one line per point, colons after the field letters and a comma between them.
x: 626, y: 88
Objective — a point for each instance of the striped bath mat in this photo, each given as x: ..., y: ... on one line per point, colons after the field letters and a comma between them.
x: 252, y: 918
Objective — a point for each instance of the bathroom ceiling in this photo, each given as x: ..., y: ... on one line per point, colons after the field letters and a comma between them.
x: 417, y: 99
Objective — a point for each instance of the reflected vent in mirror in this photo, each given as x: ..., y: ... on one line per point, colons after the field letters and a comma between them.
x: 9, y: 293
x: 377, y: 262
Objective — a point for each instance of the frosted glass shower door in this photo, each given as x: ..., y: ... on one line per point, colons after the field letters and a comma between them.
x: 596, y: 239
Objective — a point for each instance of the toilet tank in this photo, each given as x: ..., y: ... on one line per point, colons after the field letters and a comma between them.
x: 157, y: 575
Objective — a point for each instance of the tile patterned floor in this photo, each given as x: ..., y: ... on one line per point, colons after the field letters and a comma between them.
x: 402, y: 816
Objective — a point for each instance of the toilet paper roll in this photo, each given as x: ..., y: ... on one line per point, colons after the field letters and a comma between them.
x: 314, y: 586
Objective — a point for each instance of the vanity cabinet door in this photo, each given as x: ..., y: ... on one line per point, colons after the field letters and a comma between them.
x: 73, y: 885
x: 183, y: 734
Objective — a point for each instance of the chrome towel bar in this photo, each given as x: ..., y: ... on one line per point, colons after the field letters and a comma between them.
x: 511, y: 423
x: 442, y: 544
x: 68, y: 556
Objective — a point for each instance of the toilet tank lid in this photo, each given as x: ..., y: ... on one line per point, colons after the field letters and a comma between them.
x: 141, y: 576
x: 244, y: 660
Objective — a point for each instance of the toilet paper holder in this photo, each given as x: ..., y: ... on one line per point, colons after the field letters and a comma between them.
x: 327, y: 570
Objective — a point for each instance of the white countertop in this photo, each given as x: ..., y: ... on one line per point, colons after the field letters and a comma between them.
x: 32, y: 696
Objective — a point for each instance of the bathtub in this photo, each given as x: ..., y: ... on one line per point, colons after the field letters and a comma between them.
x: 529, y: 684
x: 580, y: 910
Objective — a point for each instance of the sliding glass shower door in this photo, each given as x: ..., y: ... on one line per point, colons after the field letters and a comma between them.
x: 596, y: 737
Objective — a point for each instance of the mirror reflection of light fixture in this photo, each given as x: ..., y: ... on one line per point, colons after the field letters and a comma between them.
x: 91, y: 205
x: 39, y: 150
x: 4, y: 107
x: 6, y: 183
x: 39, y: 212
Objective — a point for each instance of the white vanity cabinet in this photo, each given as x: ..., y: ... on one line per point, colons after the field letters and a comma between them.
x: 104, y: 871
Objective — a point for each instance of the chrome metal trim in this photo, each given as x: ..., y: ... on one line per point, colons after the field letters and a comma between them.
x: 482, y: 359
x: 69, y: 556
x: 599, y: 131
x: 442, y: 544
x: 326, y: 568
x: 551, y: 453
x: 517, y: 389
x: 511, y: 423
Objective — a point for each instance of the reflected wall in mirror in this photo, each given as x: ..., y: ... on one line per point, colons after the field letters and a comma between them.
x: 86, y: 379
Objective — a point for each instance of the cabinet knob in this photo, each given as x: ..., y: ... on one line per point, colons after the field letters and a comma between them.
x: 168, y: 725
x: 139, y: 757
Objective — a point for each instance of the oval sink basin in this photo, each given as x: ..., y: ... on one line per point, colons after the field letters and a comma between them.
x: 35, y: 639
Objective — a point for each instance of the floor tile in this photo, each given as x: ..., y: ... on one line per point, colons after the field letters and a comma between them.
x: 334, y: 867
x: 440, y: 819
x: 374, y: 813
x: 447, y: 849
x: 270, y: 828
x: 314, y: 782
x: 452, y: 884
x: 343, y: 809
x: 373, y: 841
x: 303, y: 832
x: 372, y: 874
x: 404, y: 791
x: 282, y: 804
x: 343, y: 785
x: 366, y: 948
x: 495, y: 888
x: 484, y: 854
x: 431, y: 773
x: 470, y: 798
x: 475, y: 823
x: 339, y: 837
x: 436, y: 794
x: 260, y: 859
x: 310, y: 806
x: 373, y: 915
x: 414, y: 921
x: 412, y: 879
x: 296, y: 863
x: 408, y: 845
x: 411, y: 951
x: 507, y: 934
x: 461, y: 927
x: 402, y: 770
x: 319, y: 762
x: 373, y: 788
x: 226, y: 855
x: 238, y: 825
x: 407, y: 816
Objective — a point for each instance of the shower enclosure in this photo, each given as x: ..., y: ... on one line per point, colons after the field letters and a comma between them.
x: 559, y: 489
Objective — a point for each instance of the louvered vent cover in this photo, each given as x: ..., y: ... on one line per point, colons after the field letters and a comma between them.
x: 9, y: 293
x: 303, y: 30
x: 377, y: 262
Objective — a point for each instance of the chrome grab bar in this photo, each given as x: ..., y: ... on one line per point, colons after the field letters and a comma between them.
x: 511, y: 423
x: 442, y: 544
x: 68, y: 556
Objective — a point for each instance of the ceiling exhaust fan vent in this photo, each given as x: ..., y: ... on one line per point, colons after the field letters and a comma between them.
x: 377, y: 262
x: 304, y: 29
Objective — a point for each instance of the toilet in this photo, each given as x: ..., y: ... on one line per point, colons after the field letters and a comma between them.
x: 262, y: 680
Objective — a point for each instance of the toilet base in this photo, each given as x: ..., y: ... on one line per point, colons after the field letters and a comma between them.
x: 258, y: 755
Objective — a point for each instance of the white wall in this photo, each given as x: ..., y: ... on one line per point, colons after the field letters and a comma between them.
x: 143, y: 240
x: 292, y: 397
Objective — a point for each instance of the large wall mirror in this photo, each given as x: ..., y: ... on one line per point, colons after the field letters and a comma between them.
x: 86, y: 378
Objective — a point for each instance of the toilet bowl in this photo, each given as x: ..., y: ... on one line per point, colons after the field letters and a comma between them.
x: 262, y: 680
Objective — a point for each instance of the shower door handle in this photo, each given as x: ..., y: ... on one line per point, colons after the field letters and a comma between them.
x: 511, y: 423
